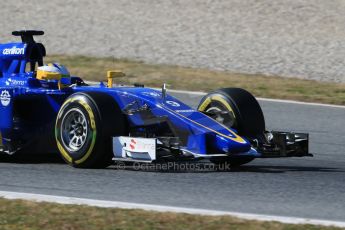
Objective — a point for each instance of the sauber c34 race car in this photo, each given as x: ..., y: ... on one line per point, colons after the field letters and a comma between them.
x: 91, y: 126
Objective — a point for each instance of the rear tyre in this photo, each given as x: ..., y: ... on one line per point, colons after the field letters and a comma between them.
x: 237, y: 109
x: 84, y: 129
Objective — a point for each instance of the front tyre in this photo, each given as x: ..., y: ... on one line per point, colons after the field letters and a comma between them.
x: 237, y: 109
x: 84, y: 129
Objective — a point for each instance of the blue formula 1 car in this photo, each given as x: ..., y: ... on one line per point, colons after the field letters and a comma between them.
x: 43, y: 109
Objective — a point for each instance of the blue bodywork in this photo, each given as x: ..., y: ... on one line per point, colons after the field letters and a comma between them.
x: 29, y: 107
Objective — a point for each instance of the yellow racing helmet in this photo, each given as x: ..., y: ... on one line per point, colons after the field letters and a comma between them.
x: 52, y: 71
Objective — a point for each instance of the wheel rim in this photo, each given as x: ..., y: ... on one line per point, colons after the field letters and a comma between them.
x: 74, y: 130
x: 226, y: 119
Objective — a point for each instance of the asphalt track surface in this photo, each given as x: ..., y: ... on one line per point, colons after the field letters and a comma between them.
x: 295, y: 187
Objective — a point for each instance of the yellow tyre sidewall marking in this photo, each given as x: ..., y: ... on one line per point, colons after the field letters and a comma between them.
x: 205, y: 103
x: 93, y: 128
x: 220, y: 99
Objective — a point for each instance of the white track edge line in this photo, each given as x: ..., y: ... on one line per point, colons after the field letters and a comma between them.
x: 161, y: 208
x: 199, y: 93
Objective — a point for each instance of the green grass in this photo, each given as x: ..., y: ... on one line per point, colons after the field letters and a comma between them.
x: 18, y: 214
x: 92, y: 68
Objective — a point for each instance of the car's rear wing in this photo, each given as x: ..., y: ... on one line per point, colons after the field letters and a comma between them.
x: 15, y: 56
